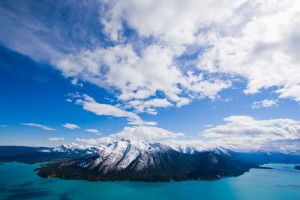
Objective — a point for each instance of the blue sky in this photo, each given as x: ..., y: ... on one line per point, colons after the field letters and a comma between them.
x: 97, y: 71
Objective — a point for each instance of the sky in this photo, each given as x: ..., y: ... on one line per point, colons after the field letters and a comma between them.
x: 207, y: 73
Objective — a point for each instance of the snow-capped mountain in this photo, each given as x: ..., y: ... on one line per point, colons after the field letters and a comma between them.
x: 132, y: 160
x: 192, y: 149
x: 74, y: 148
x: 129, y: 160
x: 120, y: 155
x: 186, y: 149
x: 78, y: 149
x: 220, y: 151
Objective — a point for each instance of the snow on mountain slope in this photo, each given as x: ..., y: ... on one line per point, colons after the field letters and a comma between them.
x: 192, y: 149
x: 75, y: 148
x: 122, y: 154
x: 185, y: 149
x: 141, y: 156
x: 132, y: 160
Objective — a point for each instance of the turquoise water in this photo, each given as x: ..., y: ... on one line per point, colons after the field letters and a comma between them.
x: 19, y: 181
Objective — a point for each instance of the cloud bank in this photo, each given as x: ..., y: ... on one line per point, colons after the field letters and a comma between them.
x: 138, y: 133
x: 249, y: 133
x: 238, y: 133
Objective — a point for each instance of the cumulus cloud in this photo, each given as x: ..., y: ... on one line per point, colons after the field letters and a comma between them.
x: 179, y: 52
x: 56, y: 139
x: 253, y: 39
x: 247, y: 132
x: 238, y: 133
x: 261, y: 44
x: 147, y: 106
x: 138, y: 133
x: 263, y: 104
x: 170, y: 21
x: 244, y: 133
x: 70, y: 126
x: 89, y: 104
x: 39, y: 126
x: 247, y: 126
x: 133, y: 69
x: 140, y: 76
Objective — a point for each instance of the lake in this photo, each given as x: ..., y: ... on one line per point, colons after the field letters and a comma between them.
x: 19, y: 181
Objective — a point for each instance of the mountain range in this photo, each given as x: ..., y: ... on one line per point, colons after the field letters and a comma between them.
x: 31, y: 155
x: 139, y: 161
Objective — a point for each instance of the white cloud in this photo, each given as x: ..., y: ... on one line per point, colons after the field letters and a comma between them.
x: 247, y: 126
x: 256, y: 40
x: 162, y: 103
x: 248, y: 133
x: 183, y: 101
x: 147, y: 106
x: 39, y: 126
x: 238, y: 133
x: 204, y: 87
x: 121, y: 68
x: 263, y: 104
x: 89, y: 104
x: 135, y: 69
x: 91, y: 130
x: 139, y: 76
x: 259, y: 43
x: 56, y: 139
x: 3, y: 125
x: 70, y: 126
x: 170, y: 21
x: 138, y: 133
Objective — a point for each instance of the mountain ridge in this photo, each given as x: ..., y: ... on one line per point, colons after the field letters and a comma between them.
x: 129, y: 160
x: 140, y: 161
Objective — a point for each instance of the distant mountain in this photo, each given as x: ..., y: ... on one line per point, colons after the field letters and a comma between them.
x: 44, y: 154
x: 127, y: 160
x: 78, y: 149
x: 256, y: 155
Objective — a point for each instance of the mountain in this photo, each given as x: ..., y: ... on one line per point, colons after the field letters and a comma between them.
x: 45, y: 154
x: 128, y: 160
x: 255, y: 155
x: 186, y: 149
x: 78, y: 149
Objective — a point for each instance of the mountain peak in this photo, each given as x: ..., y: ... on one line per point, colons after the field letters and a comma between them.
x: 77, y: 149
x: 123, y: 154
